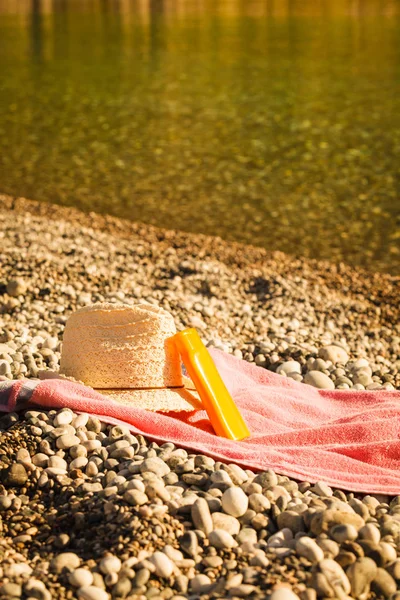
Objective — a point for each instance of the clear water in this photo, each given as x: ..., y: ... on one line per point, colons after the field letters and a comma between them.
x: 269, y: 122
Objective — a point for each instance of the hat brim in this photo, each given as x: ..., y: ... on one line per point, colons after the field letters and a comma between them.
x: 184, y: 399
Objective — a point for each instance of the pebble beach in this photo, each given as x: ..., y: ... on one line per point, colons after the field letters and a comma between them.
x: 93, y: 512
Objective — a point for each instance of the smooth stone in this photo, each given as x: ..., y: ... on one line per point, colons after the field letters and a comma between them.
x: 57, y: 462
x: 322, y: 489
x: 62, y: 430
x: 199, y: 583
x: 19, y: 570
x: 163, y: 565
x: 77, y: 451
x: 5, y: 502
x: 11, y: 590
x: 91, y: 445
x: 335, y: 354
x: 80, y: 420
x: 81, y: 578
x: 201, y: 516
x: 282, y: 538
x: 135, y: 497
x: 319, y: 380
x: 342, y: 533
x: 91, y: 592
x: 308, y: 548
x: 327, y: 574
x: 234, y: 502
x: 291, y: 520
x: 259, y: 502
x: 67, y: 441
x: 66, y: 559
x: 16, y: 475
x: 78, y: 463
x: 384, y: 583
x: 363, y: 378
x: 330, y: 548
x: 236, y: 473
x: 289, y: 366
x: 242, y: 591
x: 267, y: 479
x: 189, y: 543
x: 16, y: 287
x: 324, y: 520
x: 110, y: 564
x: 155, y: 465
x: 64, y: 417
x: 221, y: 539
x: 360, y: 574
x: 226, y: 522
x: 283, y: 594
x: 246, y: 535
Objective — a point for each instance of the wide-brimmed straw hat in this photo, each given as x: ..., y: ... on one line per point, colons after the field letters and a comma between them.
x: 125, y: 352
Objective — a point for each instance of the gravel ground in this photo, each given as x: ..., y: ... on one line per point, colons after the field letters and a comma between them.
x: 117, y: 516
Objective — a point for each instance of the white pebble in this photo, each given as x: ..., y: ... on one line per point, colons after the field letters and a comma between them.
x: 234, y: 501
x: 90, y: 592
x: 81, y: 578
x: 110, y: 564
x: 67, y: 441
x: 221, y: 539
x: 63, y: 418
x: 289, y: 366
x: 164, y: 566
x: 283, y: 594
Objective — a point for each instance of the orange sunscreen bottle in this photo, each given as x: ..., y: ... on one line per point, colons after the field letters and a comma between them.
x: 221, y: 409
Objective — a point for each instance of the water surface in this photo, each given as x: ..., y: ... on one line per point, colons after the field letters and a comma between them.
x: 274, y: 123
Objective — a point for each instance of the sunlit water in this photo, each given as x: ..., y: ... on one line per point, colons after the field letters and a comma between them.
x: 274, y: 123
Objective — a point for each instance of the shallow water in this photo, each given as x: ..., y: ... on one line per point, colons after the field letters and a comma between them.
x: 274, y: 123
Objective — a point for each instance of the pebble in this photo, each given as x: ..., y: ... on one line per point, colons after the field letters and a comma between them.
x: 16, y: 475
x: 67, y: 560
x: 336, y: 354
x: 234, y: 502
x: 309, y: 549
x: 11, y: 590
x: 289, y: 366
x: 135, y: 497
x: 201, y: 516
x: 319, y: 380
x: 322, y: 489
x: 81, y: 578
x: 163, y: 565
x: 16, y: 287
x: 226, y: 522
x: 283, y: 594
x: 64, y: 417
x: 67, y: 441
x: 110, y: 564
x: 360, y: 574
x: 221, y: 539
x: 91, y: 592
x: 384, y: 583
x: 200, y: 583
x: 341, y: 533
x: 155, y: 465
x: 327, y: 576
x: 242, y: 591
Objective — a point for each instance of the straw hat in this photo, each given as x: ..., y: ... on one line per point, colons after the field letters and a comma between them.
x: 124, y: 352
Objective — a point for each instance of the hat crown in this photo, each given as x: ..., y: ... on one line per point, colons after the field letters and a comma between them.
x: 111, y: 346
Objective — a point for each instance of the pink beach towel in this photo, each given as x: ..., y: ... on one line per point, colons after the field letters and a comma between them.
x: 349, y: 439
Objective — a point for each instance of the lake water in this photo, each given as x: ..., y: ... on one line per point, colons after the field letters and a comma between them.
x: 270, y: 122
